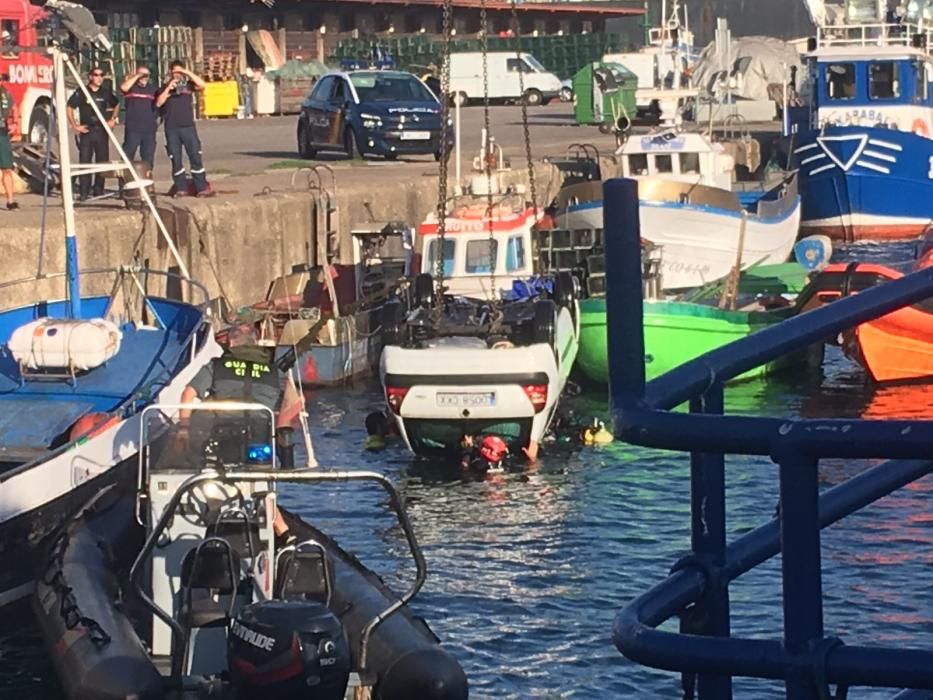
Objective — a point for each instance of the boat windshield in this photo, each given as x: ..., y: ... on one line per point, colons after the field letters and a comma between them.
x: 390, y: 87
x: 430, y: 262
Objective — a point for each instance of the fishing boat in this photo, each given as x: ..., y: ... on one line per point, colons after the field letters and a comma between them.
x: 687, y: 207
x: 895, y: 347
x: 490, y: 351
x: 863, y: 148
x: 83, y: 354
x: 677, y: 332
x: 327, y: 316
x: 218, y: 602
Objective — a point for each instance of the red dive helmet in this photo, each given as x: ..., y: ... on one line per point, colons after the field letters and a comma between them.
x: 493, y: 449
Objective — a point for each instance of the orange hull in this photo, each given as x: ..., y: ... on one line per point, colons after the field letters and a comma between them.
x: 898, y: 346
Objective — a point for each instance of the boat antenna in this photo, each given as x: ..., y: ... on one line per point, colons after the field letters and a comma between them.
x: 444, y: 161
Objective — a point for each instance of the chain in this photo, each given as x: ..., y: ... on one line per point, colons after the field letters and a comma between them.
x: 532, y: 187
x: 488, y: 152
x: 444, y: 162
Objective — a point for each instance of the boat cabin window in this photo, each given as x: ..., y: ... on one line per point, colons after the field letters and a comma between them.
x: 882, y: 80
x: 922, y: 71
x: 481, y: 255
x: 663, y: 163
x: 840, y: 81
x: 638, y: 164
x: 515, y: 254
x: 690, y: 163
x: 431, y: 262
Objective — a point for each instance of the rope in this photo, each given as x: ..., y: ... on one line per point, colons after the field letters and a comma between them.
x: 489, y: 153
x: 444, y: 162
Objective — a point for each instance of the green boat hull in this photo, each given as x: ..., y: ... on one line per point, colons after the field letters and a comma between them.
x: 675, y: 333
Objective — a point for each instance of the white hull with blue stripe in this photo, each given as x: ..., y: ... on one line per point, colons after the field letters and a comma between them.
x: 699, y: 237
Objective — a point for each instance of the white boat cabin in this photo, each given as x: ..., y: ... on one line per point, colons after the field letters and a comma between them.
x: 472, y: 257
x: 688, y: 157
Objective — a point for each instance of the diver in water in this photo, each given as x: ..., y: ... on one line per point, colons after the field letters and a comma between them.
x: 379, y: 429
x: 487, y: 456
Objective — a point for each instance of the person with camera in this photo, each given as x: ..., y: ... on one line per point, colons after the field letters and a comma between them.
x: 93, y: 142
x: 176, y: 101
x: 140, y: 118
x: 7, y: 119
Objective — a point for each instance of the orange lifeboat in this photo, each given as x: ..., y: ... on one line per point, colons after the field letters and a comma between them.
x: 898, y: 346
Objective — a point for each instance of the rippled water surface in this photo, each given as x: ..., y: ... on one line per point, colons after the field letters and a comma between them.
x: 527, y: 570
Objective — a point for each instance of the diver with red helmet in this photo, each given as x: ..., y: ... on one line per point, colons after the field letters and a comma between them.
x: 488, y: 456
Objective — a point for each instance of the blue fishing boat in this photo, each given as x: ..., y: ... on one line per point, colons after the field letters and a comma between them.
x: 77, y: 367
x: 863, y: 148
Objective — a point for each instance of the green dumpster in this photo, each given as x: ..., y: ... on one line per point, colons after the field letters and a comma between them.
x: 604, y: 95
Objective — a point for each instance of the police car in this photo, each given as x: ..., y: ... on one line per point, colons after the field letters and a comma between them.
x: 381, y: 112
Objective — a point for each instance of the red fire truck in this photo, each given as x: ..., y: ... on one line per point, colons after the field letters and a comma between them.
x: 29, y: 69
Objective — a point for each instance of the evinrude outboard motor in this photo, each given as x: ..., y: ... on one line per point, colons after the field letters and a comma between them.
x: 288, y: 650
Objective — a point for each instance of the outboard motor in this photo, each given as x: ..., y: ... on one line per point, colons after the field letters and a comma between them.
x: 288, y: 650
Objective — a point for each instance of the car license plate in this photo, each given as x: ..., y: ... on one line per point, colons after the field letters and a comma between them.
x: 415, y: 135
x: 470, y: 400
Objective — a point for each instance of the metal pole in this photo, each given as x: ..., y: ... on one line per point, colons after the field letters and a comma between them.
x: 457, y: 143
x: 64, y: 158
x: 624, y: 313
x: 708, y: 541
x: 800, y: 567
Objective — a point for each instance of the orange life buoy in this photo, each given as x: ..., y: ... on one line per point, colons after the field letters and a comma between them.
x: 91, y: 424
x: 920, y: 127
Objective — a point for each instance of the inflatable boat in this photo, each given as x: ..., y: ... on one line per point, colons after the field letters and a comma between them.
x: 216, y: 604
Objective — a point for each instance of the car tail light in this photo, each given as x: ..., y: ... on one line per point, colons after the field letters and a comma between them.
x: 537, y: 394
x: 395, y: 395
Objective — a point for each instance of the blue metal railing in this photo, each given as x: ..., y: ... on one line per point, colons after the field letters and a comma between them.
x: 697, y: 589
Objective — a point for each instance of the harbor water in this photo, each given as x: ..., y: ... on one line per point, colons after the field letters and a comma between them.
x: 528, y: 569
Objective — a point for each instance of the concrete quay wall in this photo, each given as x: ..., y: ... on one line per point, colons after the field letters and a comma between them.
x: 233, y: 245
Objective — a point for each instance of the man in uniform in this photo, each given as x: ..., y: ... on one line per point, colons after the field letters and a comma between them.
x: 7, y: 115
x: 140, y: 95
x: 245, y: 372
x: 176, y: 100
x: 93, y: 143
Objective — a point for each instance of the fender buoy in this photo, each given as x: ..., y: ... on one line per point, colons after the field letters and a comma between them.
x: 309, y: 373
x: 920, y: 127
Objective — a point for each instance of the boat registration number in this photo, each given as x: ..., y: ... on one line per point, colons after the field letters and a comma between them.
x: 415, y: 135
x: 468, y: 400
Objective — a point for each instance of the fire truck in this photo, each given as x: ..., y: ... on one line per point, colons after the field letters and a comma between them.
x: 29, y: 68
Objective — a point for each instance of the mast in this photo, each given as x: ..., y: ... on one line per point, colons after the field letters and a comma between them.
x: 72, y: 274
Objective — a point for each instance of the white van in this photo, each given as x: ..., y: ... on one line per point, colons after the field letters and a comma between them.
x: 502, y: 70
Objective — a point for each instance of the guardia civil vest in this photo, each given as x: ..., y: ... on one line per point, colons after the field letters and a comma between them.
x: 246, y: 374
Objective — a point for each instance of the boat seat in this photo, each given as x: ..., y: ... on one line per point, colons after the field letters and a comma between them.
x: 212, y: 568
x: 202, y: 611
x: 303, y: 572
x: 239, y: 530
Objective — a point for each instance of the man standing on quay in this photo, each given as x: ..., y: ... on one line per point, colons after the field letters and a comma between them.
x: 140, y: 134
x: 176, y: 100
x: 7, y: 115
x: 93, y: 143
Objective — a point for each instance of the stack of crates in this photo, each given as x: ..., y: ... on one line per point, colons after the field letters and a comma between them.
x: 562, y: 55
x: 579, y: 252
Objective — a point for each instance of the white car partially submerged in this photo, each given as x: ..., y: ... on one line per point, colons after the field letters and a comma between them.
x: 479, y: 362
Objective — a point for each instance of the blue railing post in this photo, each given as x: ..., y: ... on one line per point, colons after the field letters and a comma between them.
x: 708, y: 542
x: 625, y: 324
x: 800, y: 568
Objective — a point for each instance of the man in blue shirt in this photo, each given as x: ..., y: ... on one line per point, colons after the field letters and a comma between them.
x: 176, y: 100
x: 140, y: 117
